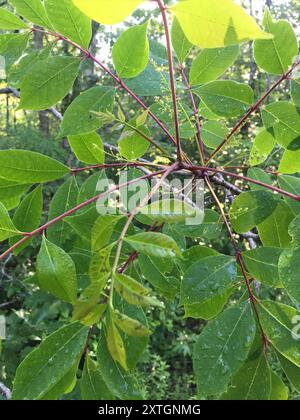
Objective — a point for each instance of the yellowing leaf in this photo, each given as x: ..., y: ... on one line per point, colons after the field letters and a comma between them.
x: 107, y: 12
x: 215, y: 23
x: 115, y: 345
x: 130, y: 326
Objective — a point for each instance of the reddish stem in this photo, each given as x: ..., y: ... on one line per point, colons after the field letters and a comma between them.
x: 172, y: 79
x: 240, y: 124
x: 239, y: 258
x: 195, y: 111
x: 243, y: 178
x: 41, y: 229
x: 244, y: 168
x: 117, y: 165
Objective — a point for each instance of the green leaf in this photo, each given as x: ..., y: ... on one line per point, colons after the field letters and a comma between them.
x: 154, y: 79
x: 292, y: 372
x: 12, y: 47
x: 11, y: 203
x: 47, y: 365
x: 231, y: 333
x: 170, y: 230
x: 10, y: 189
x: 292, y: 185
x: 103, y: 229
x: 129, y: 326
x: 180, y: 42
x: 28, y: 216
x: 115, y: 345
x: 32, y: 10
x: 276, y: 55
x: 79, y: 117
x: 263, y: 145
x: 294, y: 231
x: 284, y: 118
x: 274, y: 230
x: 28, y: 167
x: 92, y: 386
x: 67, y: 20
x: 289, y: 272
x: 100, y: 266
x: 295, y: 92
x: 260, y: 175
x: 279, y: 391
x: 214, y: 24
x: 88, y: 148
x: 171, y: 211
x: 207, y: 113
x: 289, y: 163
x: 154, y: 244
x: 7, y: 228
x: 64, y: 199
x: 206, y: 278
x: 151, y: 270
x: 9, y: 21
x: 209, y: 229
x: 107, y: 12
x: 133, y: 145
x: 148, y: 83
x: 83, y: 222
x: 211, y: 63
x: 209, y: 308
x: 120, y: 383
x: 90, y: 188
x: 135, y: 346
x: 18, y: 70
x: 88, y: 309
x: 226, y: 98
x: 48, y: 81
x: 81, y: 255
x: 252, y: 382
x: 195, y: 254
x: 131, y: 51
x: 65, y: 385
x: 56, y: 272
x: 262, y: 264
x: 277, y: 322
x: 141, y: 119
x: 213, y: 133
x: 251, y: 208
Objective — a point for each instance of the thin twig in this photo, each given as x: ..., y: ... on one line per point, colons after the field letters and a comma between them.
x: 240, y: 124
x: 207, y: 170
x: 195, y: 112
x: 117, y: 165
x: 172, y: 78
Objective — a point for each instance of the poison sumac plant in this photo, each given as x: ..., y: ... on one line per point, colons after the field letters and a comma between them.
x: 122, y: 253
